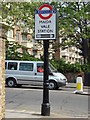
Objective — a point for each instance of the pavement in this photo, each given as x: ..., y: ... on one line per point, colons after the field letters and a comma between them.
x: 31, y: 114
x: 28, y: 114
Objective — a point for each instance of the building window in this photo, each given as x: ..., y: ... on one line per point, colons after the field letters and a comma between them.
x: 64, y: 58
x: 17, y: 36
x: 10, y: 33
x: 24, y: 37
x: 18, y: 50
x: 70, y: 58
x: 23, y: 23
x: 34, y: 53
x: 30, y: 52
x: 18, y: 23
x: 29, y: 39
x: 24, y: 50
x: 76, y: 59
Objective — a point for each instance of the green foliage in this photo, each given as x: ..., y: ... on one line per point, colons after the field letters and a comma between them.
x: 63, y: 67
x: 73, y: 19
x: 86, y: 67
x: 13, y: 52
x: 74, y: 23
x: 12, y: 12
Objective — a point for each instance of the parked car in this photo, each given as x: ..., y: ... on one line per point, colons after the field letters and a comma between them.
x: 31, y: 72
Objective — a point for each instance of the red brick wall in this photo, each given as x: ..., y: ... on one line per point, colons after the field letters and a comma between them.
x: 71, y: 77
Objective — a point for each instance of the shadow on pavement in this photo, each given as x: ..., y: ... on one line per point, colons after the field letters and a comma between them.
x: 31, y: 87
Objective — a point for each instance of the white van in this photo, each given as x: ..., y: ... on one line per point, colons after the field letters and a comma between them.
x: 28, y: 72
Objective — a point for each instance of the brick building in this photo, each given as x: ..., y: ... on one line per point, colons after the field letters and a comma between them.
x: 23, y: 37
x: 69, y: 54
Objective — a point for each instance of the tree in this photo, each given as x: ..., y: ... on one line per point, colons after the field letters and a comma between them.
x: 13, y: 52
x: 12, y: 12
x: 74, y: 23
x: 19, y: 13
x: 73, y: 19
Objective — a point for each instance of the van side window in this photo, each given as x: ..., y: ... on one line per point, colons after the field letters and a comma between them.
x: 40, y: 67
x: 5, y: 65
x: 12, y: 66
x: 26, y: 66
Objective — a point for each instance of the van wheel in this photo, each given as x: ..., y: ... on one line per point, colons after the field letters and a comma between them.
x: 11, y: 82
x: 52, y: 85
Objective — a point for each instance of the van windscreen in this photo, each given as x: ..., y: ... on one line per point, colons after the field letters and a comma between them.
x: 52, y: 68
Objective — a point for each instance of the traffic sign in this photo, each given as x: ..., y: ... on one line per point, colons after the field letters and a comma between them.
x: 45, y: 23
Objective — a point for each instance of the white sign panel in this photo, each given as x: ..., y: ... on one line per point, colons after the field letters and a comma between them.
x: 45, y: 23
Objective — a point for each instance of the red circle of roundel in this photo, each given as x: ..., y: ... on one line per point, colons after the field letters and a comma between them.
x: 47, y: 17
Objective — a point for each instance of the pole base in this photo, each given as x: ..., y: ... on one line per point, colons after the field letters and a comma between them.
x: 45, y: 110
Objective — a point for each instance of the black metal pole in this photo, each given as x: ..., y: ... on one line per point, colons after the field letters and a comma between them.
x: 45, y: 110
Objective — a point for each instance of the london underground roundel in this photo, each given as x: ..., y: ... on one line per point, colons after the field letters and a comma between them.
x: 45, y: 11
